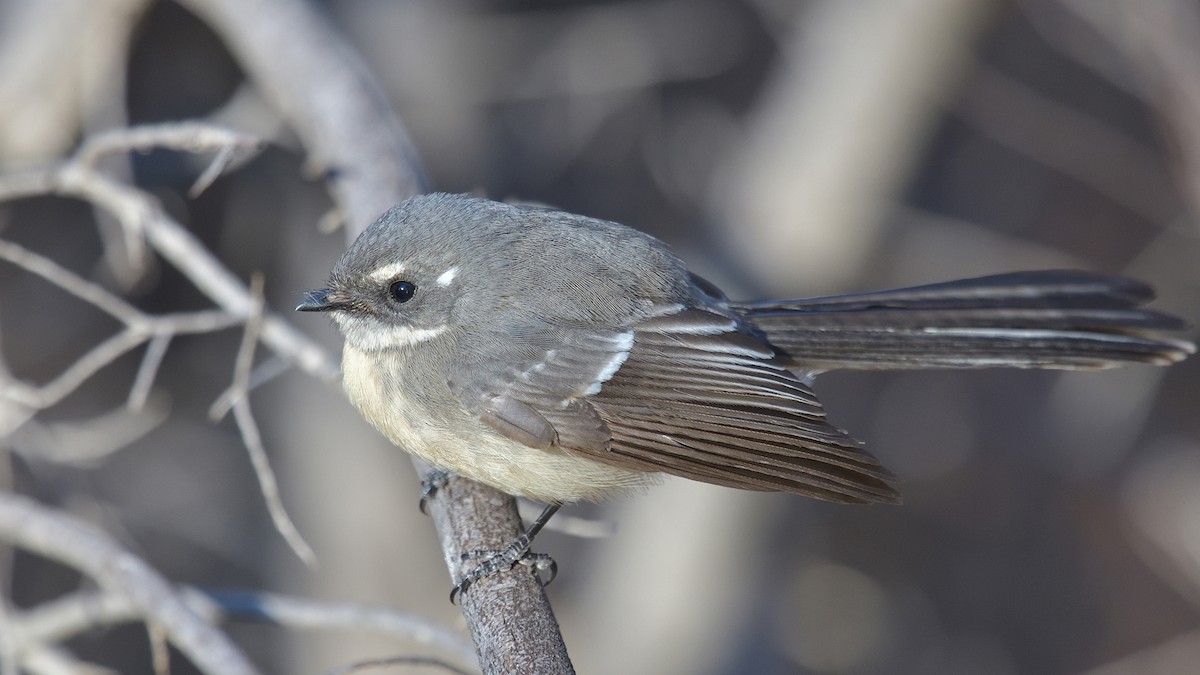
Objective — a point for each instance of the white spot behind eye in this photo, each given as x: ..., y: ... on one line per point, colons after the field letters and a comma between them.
x: 447, y: 277
x: 386, y: 273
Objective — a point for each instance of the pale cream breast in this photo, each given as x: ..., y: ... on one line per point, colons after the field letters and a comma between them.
x: 460, y: 443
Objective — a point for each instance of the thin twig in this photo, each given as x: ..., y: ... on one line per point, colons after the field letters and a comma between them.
x: 253, y: 439
x: 87, y: 441
x: 141, y: 215
x: 160, y: 655
x: 263, y: 373
x: 190, y: 136
x: 139, y: 328
x: 66, y: 617
x: 148, y: 370
x: 67, y: 539
x: 88, y: 291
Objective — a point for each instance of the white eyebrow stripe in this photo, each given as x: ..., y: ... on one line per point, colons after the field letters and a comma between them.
x: 447, y: 277
x: 386, y: 273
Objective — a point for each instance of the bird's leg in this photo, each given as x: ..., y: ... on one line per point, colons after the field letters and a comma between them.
x: 515, y: 553
x: 432, y: 482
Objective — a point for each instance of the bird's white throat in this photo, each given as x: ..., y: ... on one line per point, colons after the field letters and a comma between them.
x: 371, y: 335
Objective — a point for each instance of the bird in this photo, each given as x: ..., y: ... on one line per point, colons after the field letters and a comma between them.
x: 565, y: 358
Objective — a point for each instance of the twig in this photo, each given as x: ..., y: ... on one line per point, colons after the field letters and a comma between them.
x: 253, y: 439
x: 148, y: 370
x: 232, y: 148
x: 86, y: 441
x: 70, y: 282
x: 328, y: 96
x: 160, y: 655
x: 66, y: 617
x: 73, y: 542
x: 139, y: 328
x: 262, y: 374
x: 141, y: 215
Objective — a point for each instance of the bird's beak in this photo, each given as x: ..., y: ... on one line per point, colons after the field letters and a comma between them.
x: 323, y: 300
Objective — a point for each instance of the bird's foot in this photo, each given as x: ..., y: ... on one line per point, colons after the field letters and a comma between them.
x: 517, y: 553
x: 434, y: 480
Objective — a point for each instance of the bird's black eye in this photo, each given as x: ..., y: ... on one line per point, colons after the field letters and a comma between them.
x: 402, y: 291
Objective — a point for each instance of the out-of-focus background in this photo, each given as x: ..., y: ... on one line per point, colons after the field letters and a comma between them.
x: 782, y: 148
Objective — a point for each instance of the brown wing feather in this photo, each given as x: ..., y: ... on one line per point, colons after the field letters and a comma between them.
x: 688, y: 392
x: 698, y: 398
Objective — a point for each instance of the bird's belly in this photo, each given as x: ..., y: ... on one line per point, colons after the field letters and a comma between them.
x: 451, y: 439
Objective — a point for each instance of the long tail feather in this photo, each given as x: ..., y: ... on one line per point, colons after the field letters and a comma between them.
x: 1052, y: 319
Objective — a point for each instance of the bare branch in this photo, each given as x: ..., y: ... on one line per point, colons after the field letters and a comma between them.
x: 232, y: 148
x: 253, y: 439
x: 68, y: 616
x: 262, y: 374
x: 328, y: 95
x: 1160, y: 37
x: 87, y: 441
x: 141, y: 216
x: 160, y: 655
x: 70, y: 282
x: 8, y: 646
x: 313, y: 614
x: 194, y: 137
x: 73, y: 542
x: 148, y: 371
x: 139, y: 328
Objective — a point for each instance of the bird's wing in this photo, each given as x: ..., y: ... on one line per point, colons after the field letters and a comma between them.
x: 700, y: 396
x: 531, y: 383
x: 687, y: 392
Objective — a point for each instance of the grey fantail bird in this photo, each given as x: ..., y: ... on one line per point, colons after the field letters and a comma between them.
x: 566, y: 358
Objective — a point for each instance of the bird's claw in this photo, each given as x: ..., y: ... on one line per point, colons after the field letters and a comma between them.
x: 500, y: 561
x: 434, y: 480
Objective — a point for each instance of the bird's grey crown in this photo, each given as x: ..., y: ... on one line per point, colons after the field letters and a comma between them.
x: 521, y: 262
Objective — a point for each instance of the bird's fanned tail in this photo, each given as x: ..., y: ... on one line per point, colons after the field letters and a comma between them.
x: 1051, y: 319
